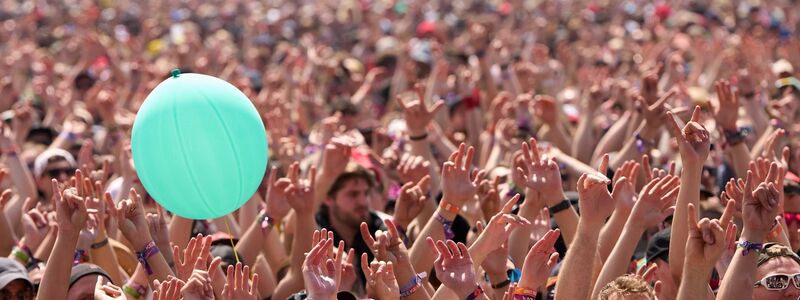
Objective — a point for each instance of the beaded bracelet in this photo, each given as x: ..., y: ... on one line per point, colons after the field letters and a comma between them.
x: 149, y: 250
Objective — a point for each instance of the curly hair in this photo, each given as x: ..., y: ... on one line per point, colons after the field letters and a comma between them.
x: 625, y: 285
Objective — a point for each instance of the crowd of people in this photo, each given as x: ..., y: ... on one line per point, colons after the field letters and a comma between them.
x: 503, y: 149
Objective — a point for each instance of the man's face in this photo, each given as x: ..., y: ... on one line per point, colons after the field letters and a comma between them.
x: 350, y: 205
x: 59, y: 170
x: 83, y: 289
x: 782, y: 265
x: 17, y: 289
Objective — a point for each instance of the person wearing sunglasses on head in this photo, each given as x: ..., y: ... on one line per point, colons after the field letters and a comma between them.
x: 778, y: 273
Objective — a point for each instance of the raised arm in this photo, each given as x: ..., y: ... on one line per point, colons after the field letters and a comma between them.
x: 575, y: 281
x: 759, y: 208
x: 726, y: 113
x: 707, y: 241
x: 693, y: 143
x: 653, y: 206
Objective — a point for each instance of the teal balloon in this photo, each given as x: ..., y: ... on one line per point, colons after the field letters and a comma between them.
x: 199, y: 146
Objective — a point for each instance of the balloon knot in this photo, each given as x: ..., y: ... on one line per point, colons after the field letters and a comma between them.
x: 175, y: 73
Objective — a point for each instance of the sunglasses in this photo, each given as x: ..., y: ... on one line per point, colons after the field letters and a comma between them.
x: 777, y: 282
x: 791, y: 217
x: 54, y: 173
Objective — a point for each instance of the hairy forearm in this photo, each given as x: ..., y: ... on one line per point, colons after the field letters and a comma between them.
x: 619, y: 258
x: 689, y: 193
x: 611, y: 232
x: 574, y: 280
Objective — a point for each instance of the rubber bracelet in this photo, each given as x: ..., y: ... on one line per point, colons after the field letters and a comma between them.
x: 419, y: 137
x: 100, y: 244
x: 561, y: 206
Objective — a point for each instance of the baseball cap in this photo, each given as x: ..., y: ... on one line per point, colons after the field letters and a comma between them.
x: 41, y: 161
x: 81, y: 270
x: 11, y: 270
x: 658, y: 246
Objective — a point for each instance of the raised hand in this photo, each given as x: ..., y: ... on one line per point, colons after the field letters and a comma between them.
x: 381, y: 281
x: 727, y: 111
x: 335, y: 157
x: 198, y: 287
x: 541, y: 259
x: 595, y: 200
x: 707, y: 241
x: 34, y: 224
x: 457, y: 186
x: 412, y: 168
x: 70, y: 211
x: 322, y: 275
x: 693, y: 139
x: 759, y: 205
x: 411, y: 201
x: 655, y: 202
x: 170, y: 289
x: 132, y: 221
x: 300, y: 193
x: 454, y: 266
x: 157, y: 225
x: 194, y: 256
x: 540, y: 175
x: 500, y: 226
x: 418, y: 115
x: 277, y: 205
x: 624, y: 192
x: 239, y: 286
x: 387, y: 246
x: 654, y: 113
x: 107, y: 291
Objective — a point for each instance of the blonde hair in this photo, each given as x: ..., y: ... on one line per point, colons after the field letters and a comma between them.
x: 625, y: 285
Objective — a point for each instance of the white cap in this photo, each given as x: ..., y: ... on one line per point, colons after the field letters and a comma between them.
x: 782, y: 66
x: 41, y: 161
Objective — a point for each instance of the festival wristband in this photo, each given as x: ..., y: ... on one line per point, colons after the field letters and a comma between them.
x: 413, y: 285
x: 446, y: 225
x: 749, y: 246
x: 80, y: 257
x: 522, y: 293
x: 149, y: 250
x: 134, y: 289
x: 476, y: 293
x: 561, y: 206
x: 449, y: 207
x: 100, y: 244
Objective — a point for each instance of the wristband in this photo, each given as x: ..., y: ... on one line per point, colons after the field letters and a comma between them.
x: 734, y: 137
x: 80, y: 257
x: 134, y: 289
x: 149, y: 250
x: 501, y: 285
x: 403, y: 235
x: 447, y: 226
x: 419, y: 137
x: 100, y: 244
x: 266, y: 222
x: 522, y: 293
x: 749, y: 246
x: 21, y: 256
x: 10, y: 151
x: 447, y: 206
x: 477, y: 292
x: 561, y: 206
x: 413, y: 285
